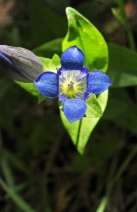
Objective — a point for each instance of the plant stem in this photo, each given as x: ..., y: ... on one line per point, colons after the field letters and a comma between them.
x: 78, y: 133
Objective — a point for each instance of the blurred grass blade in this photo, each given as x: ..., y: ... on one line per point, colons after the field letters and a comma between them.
x: 6, y: 170
x: 16, y: 198
x: 118, y: 17
x: 127, y: 25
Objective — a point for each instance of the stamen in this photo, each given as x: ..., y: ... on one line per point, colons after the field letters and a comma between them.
x: 70, y: 85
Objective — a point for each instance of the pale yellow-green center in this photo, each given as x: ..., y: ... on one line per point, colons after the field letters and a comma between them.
x: 72, y: 84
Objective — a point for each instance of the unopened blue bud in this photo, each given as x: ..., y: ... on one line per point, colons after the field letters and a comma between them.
x: 19, y: 63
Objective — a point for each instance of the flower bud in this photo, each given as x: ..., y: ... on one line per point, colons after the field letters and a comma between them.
x: 19, y: 63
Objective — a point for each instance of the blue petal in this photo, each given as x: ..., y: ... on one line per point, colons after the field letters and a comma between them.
x: 74, y: 109
x: 72, y: 59
x: 98, y: 82
x: 47, y: 84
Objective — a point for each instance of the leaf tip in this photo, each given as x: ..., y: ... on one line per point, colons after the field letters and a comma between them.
x: 69, y: 9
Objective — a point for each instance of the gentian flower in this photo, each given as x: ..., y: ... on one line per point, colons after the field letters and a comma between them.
x: 72, y: 83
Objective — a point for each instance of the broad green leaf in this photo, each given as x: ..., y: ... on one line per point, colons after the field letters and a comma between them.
x: 93, y: 108
x: 122, y: 66
x: 118, y: 17
x: 80, y: 131
x: 84, y: 34
x: 50, y: 48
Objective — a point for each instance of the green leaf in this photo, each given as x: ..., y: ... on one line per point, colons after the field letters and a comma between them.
x: 30, y: 87
x: 51, y: 64
x: 118, y: 17
x: 54, y: 63
x: 84, y: 34
x: 80, y: 131
x: 122, y: 66
x: 93, y: 108
x: 45, y: 62
x: 50, y: 48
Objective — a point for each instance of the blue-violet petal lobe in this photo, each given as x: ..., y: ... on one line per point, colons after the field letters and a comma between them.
x: 74, y: 109
x: 72, y: 59
x: 47, y: 84
x: 98, y: 82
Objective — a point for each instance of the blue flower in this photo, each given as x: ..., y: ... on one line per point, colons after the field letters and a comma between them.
x: 72, y: 83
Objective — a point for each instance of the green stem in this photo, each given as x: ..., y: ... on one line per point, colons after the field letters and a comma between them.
x: 123, y: 167
x: 78, y: 132
x: 127, y: 25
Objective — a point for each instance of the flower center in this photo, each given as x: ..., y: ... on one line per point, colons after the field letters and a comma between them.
x: 72, y: 84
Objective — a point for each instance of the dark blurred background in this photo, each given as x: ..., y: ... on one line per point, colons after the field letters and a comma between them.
x: 37, y: 157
